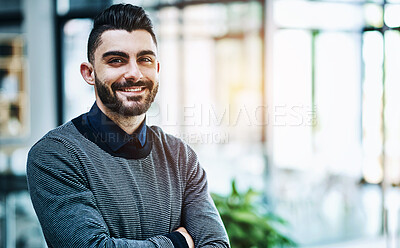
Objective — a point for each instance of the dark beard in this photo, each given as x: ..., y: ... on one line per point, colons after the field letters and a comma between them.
x: 111, y: 101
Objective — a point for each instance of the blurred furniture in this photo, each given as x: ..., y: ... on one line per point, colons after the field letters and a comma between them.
x: 9, y: 184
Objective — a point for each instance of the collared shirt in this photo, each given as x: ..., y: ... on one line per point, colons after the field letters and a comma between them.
x: 111, y: 134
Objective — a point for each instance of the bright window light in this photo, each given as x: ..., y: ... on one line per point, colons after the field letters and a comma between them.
x: 337, y: 93
x: 392, y: 113
x: 372, y: 106
x: 307, y: 14
x: 373, y: 15
x: 392, y: 16
x: 291, y: 111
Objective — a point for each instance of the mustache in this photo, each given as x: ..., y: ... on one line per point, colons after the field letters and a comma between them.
x: 141, y: 83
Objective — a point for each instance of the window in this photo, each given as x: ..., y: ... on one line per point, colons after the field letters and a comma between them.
x: 334, y: 64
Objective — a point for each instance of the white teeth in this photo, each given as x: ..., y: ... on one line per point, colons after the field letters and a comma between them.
x: 133, y: 90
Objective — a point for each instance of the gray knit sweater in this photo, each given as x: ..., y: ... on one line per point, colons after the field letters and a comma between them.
x: 87, y: 197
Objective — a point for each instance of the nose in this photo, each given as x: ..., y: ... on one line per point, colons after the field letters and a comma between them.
x: 133, y: 72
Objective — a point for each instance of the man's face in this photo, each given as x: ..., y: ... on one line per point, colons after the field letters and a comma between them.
x: 126, y: 71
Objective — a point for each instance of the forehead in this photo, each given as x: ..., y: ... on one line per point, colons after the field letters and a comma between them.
x: 122, y: 40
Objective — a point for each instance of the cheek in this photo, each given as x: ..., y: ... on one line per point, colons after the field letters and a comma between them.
x: 150, y: 73
x: 110, y: 76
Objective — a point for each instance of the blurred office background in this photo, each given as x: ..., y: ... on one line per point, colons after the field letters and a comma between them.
x: 296, y: 99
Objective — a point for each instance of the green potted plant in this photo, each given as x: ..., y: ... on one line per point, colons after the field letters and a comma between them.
x: 248, y: 226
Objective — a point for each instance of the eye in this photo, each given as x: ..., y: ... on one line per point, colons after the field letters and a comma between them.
x: 115, y: 61
x: 146, y: 60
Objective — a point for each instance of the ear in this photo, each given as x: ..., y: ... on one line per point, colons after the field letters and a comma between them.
x: 87, y: 72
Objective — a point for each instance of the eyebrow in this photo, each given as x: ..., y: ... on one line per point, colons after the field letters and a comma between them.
x: 146, y: 52
x: 115, y: 53
x: 125, y: 55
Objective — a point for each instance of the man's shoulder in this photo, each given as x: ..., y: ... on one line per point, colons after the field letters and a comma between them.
x: 64, y: 134
x: 163, y: 137
x: 171, y: 143
x: 64, y: 131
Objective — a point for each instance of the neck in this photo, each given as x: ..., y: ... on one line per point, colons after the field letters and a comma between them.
x: 127, y: 123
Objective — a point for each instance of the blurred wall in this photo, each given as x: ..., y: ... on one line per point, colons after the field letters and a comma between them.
x: 39, y: 28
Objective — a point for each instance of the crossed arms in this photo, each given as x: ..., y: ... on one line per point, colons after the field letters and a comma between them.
x: 70, y: 217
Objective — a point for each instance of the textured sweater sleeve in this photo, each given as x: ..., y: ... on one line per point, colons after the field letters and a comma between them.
x: 64, y: 204
x: 200, y: 216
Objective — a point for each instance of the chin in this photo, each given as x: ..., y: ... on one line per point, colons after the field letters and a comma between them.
x: 134, y: 109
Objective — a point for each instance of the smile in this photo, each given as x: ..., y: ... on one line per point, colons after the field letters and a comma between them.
x: 133, y: 90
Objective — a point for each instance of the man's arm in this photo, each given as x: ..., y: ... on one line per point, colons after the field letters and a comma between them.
x: 65, y: 206
x: 199, y: 214
x: 188, y: 239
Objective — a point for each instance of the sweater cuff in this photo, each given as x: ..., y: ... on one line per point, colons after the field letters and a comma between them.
x: 177, y: 239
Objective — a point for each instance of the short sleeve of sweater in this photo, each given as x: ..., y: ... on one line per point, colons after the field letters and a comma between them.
x: 65, y: 206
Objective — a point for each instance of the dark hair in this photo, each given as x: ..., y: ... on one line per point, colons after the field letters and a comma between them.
x: 119, y: 16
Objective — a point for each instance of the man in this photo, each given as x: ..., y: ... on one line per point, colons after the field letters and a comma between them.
x: 105, y: 179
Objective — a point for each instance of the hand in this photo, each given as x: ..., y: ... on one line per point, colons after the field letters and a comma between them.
x: 187, y: 236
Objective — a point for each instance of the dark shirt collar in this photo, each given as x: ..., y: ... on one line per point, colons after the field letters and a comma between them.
x: 111, y: 133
